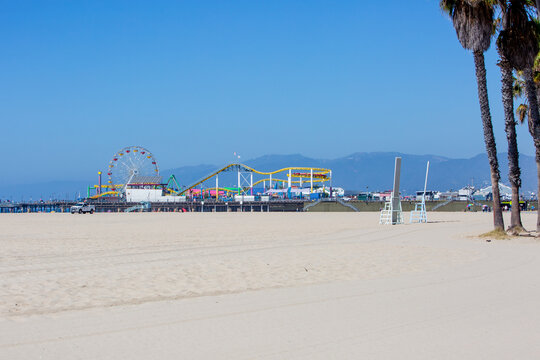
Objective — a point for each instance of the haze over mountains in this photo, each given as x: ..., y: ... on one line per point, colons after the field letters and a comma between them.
x: 358, y: 172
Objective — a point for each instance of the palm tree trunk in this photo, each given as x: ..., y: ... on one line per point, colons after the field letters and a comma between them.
x: 514, y: 173
x: 489, y: 138
x: 534, y: 130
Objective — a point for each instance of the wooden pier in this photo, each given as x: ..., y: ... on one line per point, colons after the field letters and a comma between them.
x: 207, y: 205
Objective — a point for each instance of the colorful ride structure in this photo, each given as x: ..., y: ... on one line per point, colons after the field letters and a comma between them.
x: 291, y: 181
x: 133, y: 175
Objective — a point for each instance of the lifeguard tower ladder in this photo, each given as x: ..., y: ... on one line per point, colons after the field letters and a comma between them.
x: 392, y: 213
x: 419, y: 214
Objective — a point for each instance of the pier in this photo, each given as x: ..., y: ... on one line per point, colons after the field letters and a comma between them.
x: 208, y: 205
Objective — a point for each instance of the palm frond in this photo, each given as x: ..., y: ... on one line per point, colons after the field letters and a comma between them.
x: 522, y: 112
x: 473, y: 21
x: 518, y: 39
x: 519, y: 85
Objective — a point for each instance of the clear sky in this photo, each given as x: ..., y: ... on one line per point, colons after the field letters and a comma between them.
x: 195, y: 81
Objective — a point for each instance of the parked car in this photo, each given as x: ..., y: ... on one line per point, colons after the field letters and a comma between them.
x: 82, y: 208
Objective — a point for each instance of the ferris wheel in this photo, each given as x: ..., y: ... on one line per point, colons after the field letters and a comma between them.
x: 129, y: 162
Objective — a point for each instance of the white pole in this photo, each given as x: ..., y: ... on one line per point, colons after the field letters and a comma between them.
x: 396, y: 201
x: 311, y: 180
x: 251, y: 183
x: 238, y: 181
x: 289, y: 180
x: 270, y: 183
x: 330, y: 183
x: 425, y: 183
x: 217, y: 186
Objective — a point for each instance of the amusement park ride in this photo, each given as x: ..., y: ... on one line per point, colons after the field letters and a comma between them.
x: 126, y: 164
x: 133, y: 174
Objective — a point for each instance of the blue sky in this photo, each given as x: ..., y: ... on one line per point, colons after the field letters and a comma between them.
x: 195, y: 81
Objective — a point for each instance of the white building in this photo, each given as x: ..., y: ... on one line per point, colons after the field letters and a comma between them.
x: 149, y: 189
x: 466, y: 193
x: 336, y: 191
x: 151, y: 195
x: 430, y: 195
x: 486, y: 193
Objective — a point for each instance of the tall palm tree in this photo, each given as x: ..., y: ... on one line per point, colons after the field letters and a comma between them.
x: 473, y: 22
x: 519, y: 43
x: 514, y: 172
x: 507, y: 90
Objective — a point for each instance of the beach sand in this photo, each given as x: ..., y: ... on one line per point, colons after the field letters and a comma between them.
x: 265, y: 286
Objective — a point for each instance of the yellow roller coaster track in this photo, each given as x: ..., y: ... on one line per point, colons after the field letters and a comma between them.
x: 104, y: 194
x: 317, y: 173
x: 292, y: 181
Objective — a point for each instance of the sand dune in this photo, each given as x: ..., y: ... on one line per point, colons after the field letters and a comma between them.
x: 67, y: 276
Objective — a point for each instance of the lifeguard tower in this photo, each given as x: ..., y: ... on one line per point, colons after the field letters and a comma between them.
x: 419, y: 214
x: 392, y: 213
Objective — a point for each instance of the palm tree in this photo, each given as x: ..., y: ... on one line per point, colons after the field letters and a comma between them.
x: 473, y: 22
x: 514, y: 173
x: 519, y: 42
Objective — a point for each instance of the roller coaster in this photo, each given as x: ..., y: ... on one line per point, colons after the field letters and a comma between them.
x: 136, y: 168
x: 294, y: 175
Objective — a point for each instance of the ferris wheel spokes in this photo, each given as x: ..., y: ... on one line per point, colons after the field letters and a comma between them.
x: 129, y: 163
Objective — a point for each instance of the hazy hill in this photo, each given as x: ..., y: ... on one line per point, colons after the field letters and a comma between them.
x: 358, y: 171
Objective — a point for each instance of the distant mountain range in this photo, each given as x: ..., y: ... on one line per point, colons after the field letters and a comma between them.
x: 357, y: 172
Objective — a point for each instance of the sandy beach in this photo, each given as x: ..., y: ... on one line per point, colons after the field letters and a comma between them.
x: 265, y: 286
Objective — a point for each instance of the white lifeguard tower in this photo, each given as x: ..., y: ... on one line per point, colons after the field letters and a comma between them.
x: 392, y: 213
x: 419, y: 214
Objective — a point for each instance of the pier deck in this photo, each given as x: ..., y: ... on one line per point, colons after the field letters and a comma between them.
x: 187, y: 206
